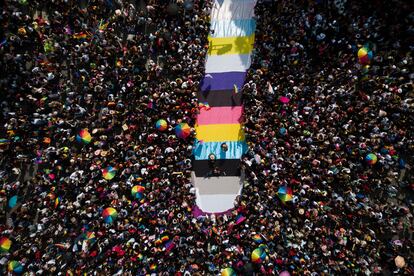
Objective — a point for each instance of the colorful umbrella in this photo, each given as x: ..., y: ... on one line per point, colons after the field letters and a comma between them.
x: 138, y: 192
x: 258, y: 255
x: 109, y: 173
x: 258, y: 238
x: 364, y: 55
x: 12, y: 201
x: 371, y: 159
x: 84, y: 137
x: 5, y: 244
x: 161, y: 125
x: 285, y: 193
x: 228, y: 272
x: 109, y: 215
x: 182, y: 130
x: 15, y: 266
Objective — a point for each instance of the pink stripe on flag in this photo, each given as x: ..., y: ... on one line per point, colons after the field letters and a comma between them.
x: 220, y: 115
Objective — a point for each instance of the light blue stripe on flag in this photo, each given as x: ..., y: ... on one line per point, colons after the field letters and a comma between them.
x: 235, y: 150
x: 230, y: 28
x: 228, y: 63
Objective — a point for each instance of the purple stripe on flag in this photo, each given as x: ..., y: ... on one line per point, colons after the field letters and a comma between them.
x: 222, y: 81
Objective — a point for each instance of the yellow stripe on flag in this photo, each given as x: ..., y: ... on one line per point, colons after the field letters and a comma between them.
x: 220, y: 132
x: 230, y: 45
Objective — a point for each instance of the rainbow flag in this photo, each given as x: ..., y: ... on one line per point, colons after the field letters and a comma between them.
x: 80, y: 35
x: 57, y: 201
x: 204, y: 105
x: 164, y: 238
x: 4, y: 142
x: 158, y: 242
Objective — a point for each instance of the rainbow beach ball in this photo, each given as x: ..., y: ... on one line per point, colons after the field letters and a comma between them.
x: 371, y: 159
x: 161, y: 125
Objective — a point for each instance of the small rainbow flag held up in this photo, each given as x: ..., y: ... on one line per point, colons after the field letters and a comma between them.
x: 161, y: 125
x: 153, y: 267
x: 285, y: 194
x: 371, y: 159
x: 84, y: 136
x: 80, y: 35
x: 5, y: 244
x: 57, y: 201
x: 258, y: 238
x: 4, y: 141
x: 163, y: 238
x: 182, y: 130
x: 138, y: 192
x: 228, y: 271
x: 15, y: 266
x: 109, y: 173
x: 258, y: 255
x: 90, y: 235
x: 109, y: 215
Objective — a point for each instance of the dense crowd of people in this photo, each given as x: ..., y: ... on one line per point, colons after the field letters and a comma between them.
x: 312, y: 114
